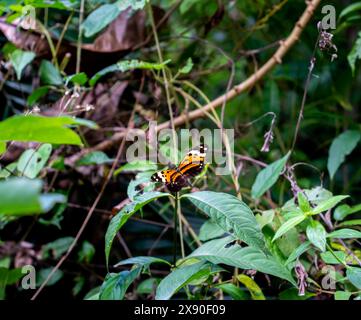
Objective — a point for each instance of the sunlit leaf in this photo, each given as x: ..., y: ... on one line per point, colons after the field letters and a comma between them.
x: 41, y: 129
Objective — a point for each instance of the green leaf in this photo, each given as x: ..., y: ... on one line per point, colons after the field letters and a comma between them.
x: 36, y: 95
x: 41, y: 129
x: 98, y: 19
x: 179, y: 278
x: 265, y: 218
x: 126, y: 65
x: 148, y: 286
x: 252, y: 286
x: 345, y: 234
x: 292, y: 294
x: 342, y: 295
x: 115, y: 285
x: 231, y: 214
x: 327, y: 204
x: 43, y: 274
x: 140, y: 165
x: 31, y: 162
x: 56, y: 248
x: 341, y: 146
x: 8, y: 277
x: 20, y: 59
x: 225, y: 251
x: 78, y: 78
x: 298, y: 252
x: 142, y: 261
x: 21, y: 196
x: 303, y: 203
x: 188, y: 67
x: 2, y: 147
x: 316, y: 233
x: 329, y: 257
x: 354, y: 276
x: 209, y: 230
x: 94, y: 158
x: 86, y: 252
x: 355, y: 54
x: 236, y: 293
x: 288, y: 225
x: 350, y: 9
x: 348, y: 223
x: 268, y: 176
x: 186, y: 5
x: 49, y: 74
x: 122, y: 217
x: 344, y: 210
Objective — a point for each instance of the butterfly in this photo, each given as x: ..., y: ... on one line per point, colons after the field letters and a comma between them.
x: 177, y: 178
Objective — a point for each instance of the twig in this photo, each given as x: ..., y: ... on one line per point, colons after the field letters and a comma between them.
x: 285, y: 46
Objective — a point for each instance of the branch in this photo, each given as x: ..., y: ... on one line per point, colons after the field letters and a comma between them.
x: 285, y: 46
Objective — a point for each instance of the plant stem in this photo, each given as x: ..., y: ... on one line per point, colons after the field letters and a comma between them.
x: 175, y: 229
x: 80, y: 33
x: 179, y: 216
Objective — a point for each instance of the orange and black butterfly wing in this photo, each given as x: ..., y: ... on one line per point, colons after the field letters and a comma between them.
x: 190, y: 166
x: 193, y: 163
x: 172, y: 179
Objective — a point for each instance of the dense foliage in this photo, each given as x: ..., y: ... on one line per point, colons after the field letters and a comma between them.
x: 77, y: 76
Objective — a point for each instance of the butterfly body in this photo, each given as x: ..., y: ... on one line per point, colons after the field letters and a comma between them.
x: 177, y: 178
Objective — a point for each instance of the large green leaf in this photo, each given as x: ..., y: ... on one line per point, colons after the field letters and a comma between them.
x: 116, y: 284
x: 180, y: 277
x: 105, y: 14
x: 341, y: 147
x: 122, y: 217
x: 126, y: 65
x: 20, y: 59
x: 42, y: 129
x: 21, y: 196
x: 210, y: 230
x: 316, y: 233
x: 224, y: 251
x: 231, y: 214
x: 268, y: 176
